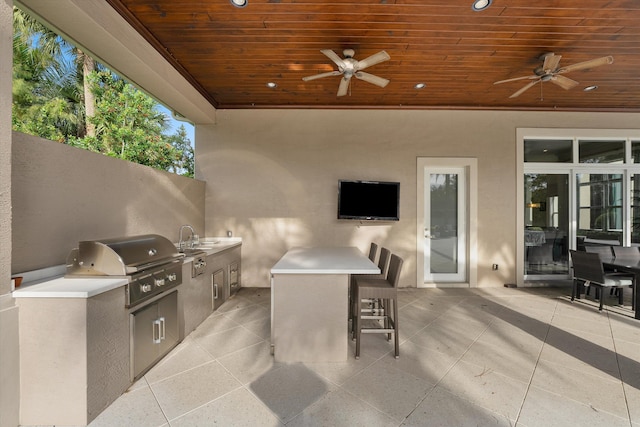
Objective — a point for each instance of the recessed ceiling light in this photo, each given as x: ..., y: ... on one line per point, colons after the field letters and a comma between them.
x: 272, y: 85
x: 239, y: 3
x: 590, y: 88
x: 479, y: 5
x: 420, y: 86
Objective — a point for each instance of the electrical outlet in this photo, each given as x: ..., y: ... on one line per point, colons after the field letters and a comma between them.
x: 494, y: 267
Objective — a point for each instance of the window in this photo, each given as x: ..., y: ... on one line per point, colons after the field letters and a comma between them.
x: 577, y: 187
x: 601, y: 151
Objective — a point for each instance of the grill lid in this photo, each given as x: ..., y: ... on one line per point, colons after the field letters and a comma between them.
x: 120, y: 256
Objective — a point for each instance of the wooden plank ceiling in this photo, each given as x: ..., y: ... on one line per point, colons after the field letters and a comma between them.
x: 230, y: 53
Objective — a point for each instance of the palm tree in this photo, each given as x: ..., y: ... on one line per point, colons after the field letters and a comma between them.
x: 58, y: 76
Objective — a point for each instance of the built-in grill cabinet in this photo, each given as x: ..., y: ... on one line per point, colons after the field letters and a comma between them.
x: 153, y: 268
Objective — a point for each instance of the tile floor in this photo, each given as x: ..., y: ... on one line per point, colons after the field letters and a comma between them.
x: 499, y: 357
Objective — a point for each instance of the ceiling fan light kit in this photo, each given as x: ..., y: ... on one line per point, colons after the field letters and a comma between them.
x: 349, y: 67
x: 550, y: 71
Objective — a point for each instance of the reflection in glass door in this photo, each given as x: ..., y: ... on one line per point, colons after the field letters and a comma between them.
x: 445, y: 225
x: 600, y: 209
x: 546, y: 220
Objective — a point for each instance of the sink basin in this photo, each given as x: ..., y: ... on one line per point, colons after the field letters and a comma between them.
x: 194, y: 252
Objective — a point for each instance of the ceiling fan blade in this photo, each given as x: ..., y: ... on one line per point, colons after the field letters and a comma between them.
x: 378, y: 81
x: 344, y: 86
x: 334, y: 57
x: 526, y: 87
x: 587, y: 64
x: 373, y: 60
x: 564, y: 82
x: 515, y: 79
x: 551, y: 62
x: 319, y: 76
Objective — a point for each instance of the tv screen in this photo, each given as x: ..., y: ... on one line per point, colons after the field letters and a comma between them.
x: 368, y: 200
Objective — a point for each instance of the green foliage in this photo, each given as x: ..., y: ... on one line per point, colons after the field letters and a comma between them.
x: 48, y: 101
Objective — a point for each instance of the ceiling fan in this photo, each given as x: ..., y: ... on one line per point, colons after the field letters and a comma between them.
x: 550, y: 71
x: 349, y: 67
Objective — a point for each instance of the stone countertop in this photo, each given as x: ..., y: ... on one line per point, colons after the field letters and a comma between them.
x: 86, y: 287
x: 77, y: 287
x: 325, y: 260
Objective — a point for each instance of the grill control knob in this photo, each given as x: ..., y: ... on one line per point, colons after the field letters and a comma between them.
x: 159, y: 282
x: 172, y: 277
x: 145, y: 288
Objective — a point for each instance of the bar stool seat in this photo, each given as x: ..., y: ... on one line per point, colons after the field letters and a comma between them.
x: 385, y: 290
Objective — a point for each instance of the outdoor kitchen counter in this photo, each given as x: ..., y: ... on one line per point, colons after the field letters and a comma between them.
x: 87, y: 287
x: 80, y: 287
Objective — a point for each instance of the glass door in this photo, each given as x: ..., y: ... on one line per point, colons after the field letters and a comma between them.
x: 600, y: 210
x: 546, y: 220
x: 445, y: 225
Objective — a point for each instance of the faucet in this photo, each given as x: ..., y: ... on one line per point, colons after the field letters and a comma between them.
x: 181, y: 243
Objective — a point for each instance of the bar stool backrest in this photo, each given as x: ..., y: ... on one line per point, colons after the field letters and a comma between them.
x: 373, y: 252
x: 395, y: 265
x: 383, y: 261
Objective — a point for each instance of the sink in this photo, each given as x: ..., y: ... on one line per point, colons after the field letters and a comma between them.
x: 195, y: 252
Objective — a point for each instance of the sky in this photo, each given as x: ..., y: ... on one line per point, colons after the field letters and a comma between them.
x: 175, y: 124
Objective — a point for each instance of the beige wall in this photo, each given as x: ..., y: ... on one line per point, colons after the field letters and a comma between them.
x: 9, y: 356
x: 272, y: 177
x: 62, y: 195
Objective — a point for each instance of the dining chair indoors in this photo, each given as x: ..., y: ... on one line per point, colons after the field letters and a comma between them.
x: 626, y: 251
x: 604, y: 250
x: 386, y: 290
x: 587, y: 267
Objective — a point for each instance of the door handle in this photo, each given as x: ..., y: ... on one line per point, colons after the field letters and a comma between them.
x: 156, y: 331
x: 163, y: 329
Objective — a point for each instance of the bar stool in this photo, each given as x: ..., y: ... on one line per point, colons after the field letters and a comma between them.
x: 383, y: 265
x: 386, y: 290
x: 373, y: 252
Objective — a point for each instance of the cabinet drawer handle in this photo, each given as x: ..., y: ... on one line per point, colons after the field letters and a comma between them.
x: 156, y: 331
x: 163, y: 329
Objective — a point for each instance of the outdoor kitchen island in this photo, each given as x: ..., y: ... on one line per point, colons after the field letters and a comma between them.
x: 309, y: 302
x: 75, y: 341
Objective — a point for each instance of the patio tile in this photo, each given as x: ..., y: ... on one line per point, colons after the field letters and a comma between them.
x: 188, y: 390
x: 237, y: 408
x: 289, y: 390
x: 390, y: 390
x: 341, y: 409
x: 542, y: 408
x: 486, y: 388
x: 443, y: 409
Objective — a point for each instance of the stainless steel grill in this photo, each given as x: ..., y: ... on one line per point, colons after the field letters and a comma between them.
x: 151, y: 263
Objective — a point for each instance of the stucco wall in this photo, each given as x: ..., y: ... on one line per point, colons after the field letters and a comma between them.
x: 272, y: 177
x: 62, y: 195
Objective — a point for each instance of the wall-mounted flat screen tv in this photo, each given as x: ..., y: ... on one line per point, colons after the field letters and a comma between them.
x: 368, y: 200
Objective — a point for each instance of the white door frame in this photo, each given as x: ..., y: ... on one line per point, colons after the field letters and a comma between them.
x: 471, y: 167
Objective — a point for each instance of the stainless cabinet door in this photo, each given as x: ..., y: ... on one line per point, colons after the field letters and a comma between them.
x: 218, y: 287
x: 168, y: 319
x: 145, y: 331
